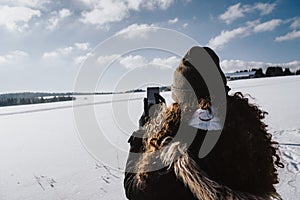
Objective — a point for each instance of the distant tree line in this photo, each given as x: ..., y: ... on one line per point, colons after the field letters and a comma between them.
x: 11, y: 100
x: 272, y: 71
x: 278, y: 71
x: 135, y: 90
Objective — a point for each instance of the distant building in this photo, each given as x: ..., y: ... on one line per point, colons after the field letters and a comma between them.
x: 240, y: 75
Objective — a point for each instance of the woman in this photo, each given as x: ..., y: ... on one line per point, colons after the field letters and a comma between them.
x: 242, y: 164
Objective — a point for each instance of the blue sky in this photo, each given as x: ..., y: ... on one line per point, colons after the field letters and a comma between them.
x: 44, y: 43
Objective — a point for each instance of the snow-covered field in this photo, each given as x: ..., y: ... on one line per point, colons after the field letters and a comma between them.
x: 42, y: 156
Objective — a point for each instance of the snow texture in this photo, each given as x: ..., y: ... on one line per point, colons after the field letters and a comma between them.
x: 42, y: 156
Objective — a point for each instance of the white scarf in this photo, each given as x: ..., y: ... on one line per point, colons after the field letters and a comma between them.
x: 205, y: 120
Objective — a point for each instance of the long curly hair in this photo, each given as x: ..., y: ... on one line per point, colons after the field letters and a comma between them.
x: 245, y: 157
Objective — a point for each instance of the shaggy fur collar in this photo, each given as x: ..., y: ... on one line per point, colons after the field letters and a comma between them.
x: 186, y: 169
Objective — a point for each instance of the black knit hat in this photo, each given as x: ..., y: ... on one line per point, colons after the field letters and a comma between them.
x: 187, y: 78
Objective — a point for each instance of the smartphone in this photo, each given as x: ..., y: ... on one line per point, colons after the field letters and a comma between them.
x: 150, y: 94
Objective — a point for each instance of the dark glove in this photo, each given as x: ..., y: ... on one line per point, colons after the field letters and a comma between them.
x: 151, y: 108
x: 159, y: 99
x: 145, y: 116
x: 136, y: 141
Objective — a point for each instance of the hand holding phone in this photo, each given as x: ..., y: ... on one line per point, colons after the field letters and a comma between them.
x: 151, y: 104
x: 151, y: 93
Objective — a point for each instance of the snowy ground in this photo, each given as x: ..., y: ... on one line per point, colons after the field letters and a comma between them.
x: 42, y: 156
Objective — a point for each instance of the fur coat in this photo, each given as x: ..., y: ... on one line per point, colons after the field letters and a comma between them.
x: 182, y: 178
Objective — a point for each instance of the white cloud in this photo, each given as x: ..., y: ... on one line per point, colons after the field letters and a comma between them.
x: 294, y: 34
x: 173, y: 21
x: 57, y: 17
x: 289, y: 36
x: 265, y: 8
x: 52, y: 54
x: 89, y: 3
x: 296, y: 23
x: 16, y: 18
x: 58, y: 52
x: 26, y: 3
x: 250, y: 28
x: 103, y: 12
x: 132, y: 62
x: 238, y: 11
x: 185, y: 25
x: 65, y: 50
x: 134, y: 4
x: 267, y: 26
x: 226, y: 36
x: 166, y: 62
x: 136, y: 31
x: 82, y: 46
x: 80, y: 59
x: 53, y: 22
x: 236, y: 65
x: 64, y: 13
x: 107, y: 59
x: 139, y: 61
x: 12, y: 56
x: 161, y: 4
x: 232, y: 13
